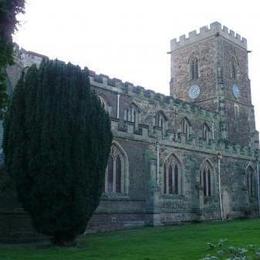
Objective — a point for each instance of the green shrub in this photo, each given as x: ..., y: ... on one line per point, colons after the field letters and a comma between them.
x: 223, y: 250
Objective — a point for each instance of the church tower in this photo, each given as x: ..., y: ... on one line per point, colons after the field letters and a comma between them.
x: 210, y: 69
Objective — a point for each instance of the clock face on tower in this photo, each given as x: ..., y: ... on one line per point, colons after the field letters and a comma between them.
x: 236, y: 91
x: 194, y: 91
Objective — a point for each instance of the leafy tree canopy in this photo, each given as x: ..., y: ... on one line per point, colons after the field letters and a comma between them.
x: 8, y: 24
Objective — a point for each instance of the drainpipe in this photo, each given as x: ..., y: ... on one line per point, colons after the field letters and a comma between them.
x: 157, y: 162
x: 258, y: 186
x: 117, y: 109
x: 219, y: 188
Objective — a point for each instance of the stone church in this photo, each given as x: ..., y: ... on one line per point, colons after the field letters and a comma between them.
x: 189, y: 156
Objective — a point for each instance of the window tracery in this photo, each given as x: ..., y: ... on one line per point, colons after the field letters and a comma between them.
x: 206, y: 179
x: 172, y: 176
x: 116, y: 176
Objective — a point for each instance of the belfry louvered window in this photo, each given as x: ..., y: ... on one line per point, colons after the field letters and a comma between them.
x: 194, y: 69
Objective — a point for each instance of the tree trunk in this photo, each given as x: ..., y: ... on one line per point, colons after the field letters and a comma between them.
x: 64, y: 240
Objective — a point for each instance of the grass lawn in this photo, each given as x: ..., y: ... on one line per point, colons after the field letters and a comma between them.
x: 176, y: 242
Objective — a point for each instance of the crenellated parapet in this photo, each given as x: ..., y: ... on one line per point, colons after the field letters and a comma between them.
x: 152, y: 133
x: 26, y: 58
x: 215, y: 29
x: 146, y: 133
x: 117, y: 85
x: 126, y: 88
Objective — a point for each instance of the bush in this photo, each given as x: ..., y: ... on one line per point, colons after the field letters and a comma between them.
x: 223, y: 250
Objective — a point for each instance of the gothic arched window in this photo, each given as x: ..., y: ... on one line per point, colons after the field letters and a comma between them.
x: 250, y: 181
x: 233, y: 68
x: 194, y: 68
x: 206, y: 179
x: 172, y: 176
x: 118, y: 174
x: 161, y: 120
x: 186, y: 128
x: 110, y: 175
x: 206, y: 132
x: 131, y: 114
x: 116, y: 177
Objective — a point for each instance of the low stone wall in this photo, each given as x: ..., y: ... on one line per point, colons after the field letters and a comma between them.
x: 16, y: 227
x: 109, y: 222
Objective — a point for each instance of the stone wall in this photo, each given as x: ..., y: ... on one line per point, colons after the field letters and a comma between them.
x: 218, y: 50
x: 148, y: 128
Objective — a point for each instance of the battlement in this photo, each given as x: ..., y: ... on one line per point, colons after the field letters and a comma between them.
x: 215, y: 29
x: 153, y: 134
x: 127, y: 88
x: 27, y: 58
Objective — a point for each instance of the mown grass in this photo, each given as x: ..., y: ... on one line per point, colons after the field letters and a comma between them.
x: 176, y: 242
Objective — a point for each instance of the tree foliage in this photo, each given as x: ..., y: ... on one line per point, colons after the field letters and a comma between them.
x: 57, y: 141
x: 8, y: 24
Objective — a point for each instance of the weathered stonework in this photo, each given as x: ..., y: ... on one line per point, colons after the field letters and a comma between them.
x: 149, y: 130
x: 216, y: 48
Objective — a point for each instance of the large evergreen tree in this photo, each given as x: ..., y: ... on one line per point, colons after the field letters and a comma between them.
x: 8, y: 23
x: 57, y: 142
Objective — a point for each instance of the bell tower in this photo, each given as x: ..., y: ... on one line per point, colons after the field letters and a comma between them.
x: 210, y: 69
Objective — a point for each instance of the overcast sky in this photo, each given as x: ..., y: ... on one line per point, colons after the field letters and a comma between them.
x: 129, y: 39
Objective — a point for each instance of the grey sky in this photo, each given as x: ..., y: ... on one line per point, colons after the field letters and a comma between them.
x: 129, y: 39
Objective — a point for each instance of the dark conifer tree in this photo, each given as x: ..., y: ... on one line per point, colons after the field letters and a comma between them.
x: 57, y: 142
